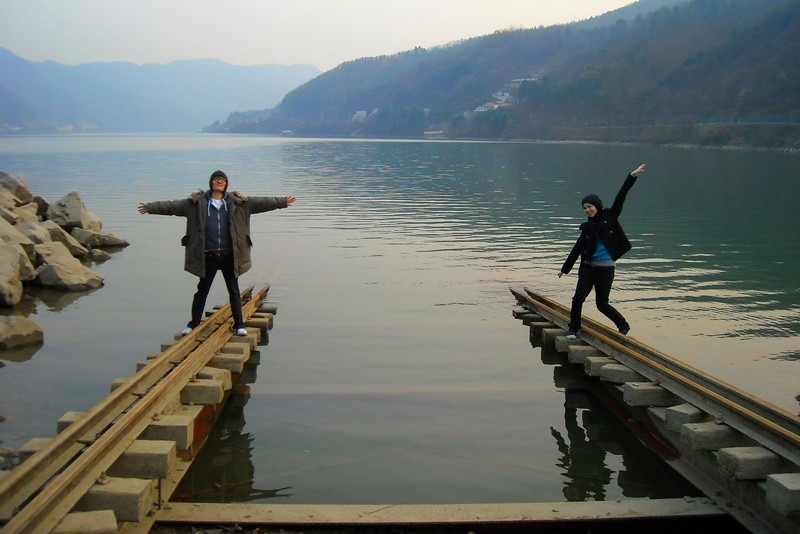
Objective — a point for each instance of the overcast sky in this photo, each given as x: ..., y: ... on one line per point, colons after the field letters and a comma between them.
x: 323, y: 33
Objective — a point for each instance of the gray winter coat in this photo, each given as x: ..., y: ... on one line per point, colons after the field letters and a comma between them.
x: 195, y: 209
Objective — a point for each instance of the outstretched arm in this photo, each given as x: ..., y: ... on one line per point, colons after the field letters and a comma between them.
x: 639, y: 170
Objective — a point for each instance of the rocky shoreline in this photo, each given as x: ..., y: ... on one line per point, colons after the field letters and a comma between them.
x: 44, y: 245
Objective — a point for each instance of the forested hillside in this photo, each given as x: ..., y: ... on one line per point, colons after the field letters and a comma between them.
x: 699, y: 71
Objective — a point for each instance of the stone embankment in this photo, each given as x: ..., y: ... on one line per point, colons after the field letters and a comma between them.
x: 47, y: 245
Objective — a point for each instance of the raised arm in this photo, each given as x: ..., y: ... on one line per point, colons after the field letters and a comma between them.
x: 616, y: 208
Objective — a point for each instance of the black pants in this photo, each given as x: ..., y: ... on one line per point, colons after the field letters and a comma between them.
x: 599, y: 278
x: 216, y: 263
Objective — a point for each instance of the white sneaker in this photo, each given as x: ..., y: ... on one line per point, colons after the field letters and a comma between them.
x: 186, y: 330
x: 241, y: 332
x: 572, y: 334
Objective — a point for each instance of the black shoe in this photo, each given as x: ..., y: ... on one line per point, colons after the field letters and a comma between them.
x: 624, y: 330
x: 572, y: 333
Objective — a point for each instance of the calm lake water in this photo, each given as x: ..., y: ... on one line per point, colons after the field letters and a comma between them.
x: 395, y: 371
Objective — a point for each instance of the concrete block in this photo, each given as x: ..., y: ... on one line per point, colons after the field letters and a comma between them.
x: 236, y: 348
x: 99, y: 522
x: 550, y: 334
x: 31, y: 447
x: 231, y: 362
x: 748, y: 463
x: 67, y: 419
x: 518, y: 312
x: 578, y: 353
x: 145, y: 459
x: 129, y: 498
x: 594, y: 364
x: 711, y: 436
x: 562, y: 344
x: 203, y: 391
x: 262, y: 325
x: 619, y: 374
x: 268, y: 307
x: 251, y: 339
x: 268, y: 317
x: 177, y: 428
x: 783, y: 492
x: 647, y: 394
x: 530, y: 317
x: 536, y: 327
x: 679, y: 415
x: 215, y: 373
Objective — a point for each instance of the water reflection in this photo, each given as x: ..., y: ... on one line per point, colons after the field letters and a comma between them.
x: 224, y: 470
x: 597, y: 449
x: 383, y: 236
x: 227, y: 473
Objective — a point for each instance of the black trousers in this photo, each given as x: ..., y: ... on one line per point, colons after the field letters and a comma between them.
x: 216, y: 263
x: 601, y: 279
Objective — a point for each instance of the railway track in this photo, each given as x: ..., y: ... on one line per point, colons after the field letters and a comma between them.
x: 39, y: 493
x: 733, y: 446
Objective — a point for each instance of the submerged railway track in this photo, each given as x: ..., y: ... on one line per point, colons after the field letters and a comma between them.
x: 741, y: 451
x: 195, y: 373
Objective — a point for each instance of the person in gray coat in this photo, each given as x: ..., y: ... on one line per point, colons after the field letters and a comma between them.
x: 217, y: 239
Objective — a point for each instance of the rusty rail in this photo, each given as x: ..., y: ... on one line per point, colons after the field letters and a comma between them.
x: 45, y: 487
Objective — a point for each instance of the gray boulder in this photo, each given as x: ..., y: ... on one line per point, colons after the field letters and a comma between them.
x: 9, y: 233
x: 10, y: 282
x: 8, y: 215
x: 97, y: 255
x: 69, y: 213
x: 8, y: 200
x: 34, y: 231
x: 19, y: 332
x: 28, y: 212
x: 16, y: 186
x: 92, y: 239
x: 59, y: 270
x: 58, y: 234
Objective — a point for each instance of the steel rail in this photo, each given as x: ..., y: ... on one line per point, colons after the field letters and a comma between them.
x: 121, y: 417
x: 763, y: 422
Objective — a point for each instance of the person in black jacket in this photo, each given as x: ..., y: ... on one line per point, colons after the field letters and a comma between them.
x: 601, y: 243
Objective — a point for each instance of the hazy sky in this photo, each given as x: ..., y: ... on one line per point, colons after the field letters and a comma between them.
x: 323, y: 33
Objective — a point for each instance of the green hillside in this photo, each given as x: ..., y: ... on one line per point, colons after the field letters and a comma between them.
x: 700, y: 71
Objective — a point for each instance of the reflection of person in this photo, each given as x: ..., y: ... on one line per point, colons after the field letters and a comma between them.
x: 217, y: 239
x: 583, y: 461
x: 601, y: 243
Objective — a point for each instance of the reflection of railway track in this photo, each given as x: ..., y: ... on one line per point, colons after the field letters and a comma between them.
x: 177, y: 390
x: 734, y: 447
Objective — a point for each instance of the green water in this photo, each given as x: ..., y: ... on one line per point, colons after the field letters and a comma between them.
x: 395, y: 371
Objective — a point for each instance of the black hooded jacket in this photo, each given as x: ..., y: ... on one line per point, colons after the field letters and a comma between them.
x: 605, y: 227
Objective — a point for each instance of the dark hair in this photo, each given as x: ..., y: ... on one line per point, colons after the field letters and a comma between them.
x: 594, y: 200
x: 218, y: 174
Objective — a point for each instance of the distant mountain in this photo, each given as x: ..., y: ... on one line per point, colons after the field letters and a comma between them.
x: 686, y: 71
x: 121, y: 96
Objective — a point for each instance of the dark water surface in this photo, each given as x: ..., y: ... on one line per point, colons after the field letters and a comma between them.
x: 395, y: 372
